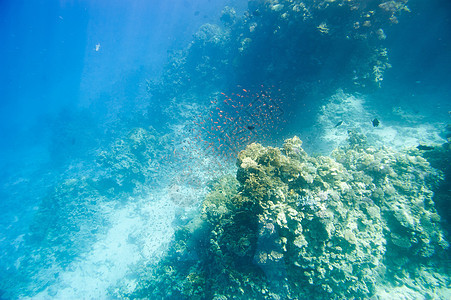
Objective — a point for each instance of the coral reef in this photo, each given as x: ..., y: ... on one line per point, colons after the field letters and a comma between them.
x: 292, y: 225
x: 440, y: 158
x: 129, y: 162
x: 75, y: 211
x: 294, y: 42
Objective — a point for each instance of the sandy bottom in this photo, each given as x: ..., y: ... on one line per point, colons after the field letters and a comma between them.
x: 397, y: 129
x: 141, y: 231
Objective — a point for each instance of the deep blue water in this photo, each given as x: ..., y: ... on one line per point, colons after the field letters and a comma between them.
x: 74, y: 79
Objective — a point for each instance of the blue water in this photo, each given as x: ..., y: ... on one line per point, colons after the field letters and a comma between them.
x: 77, y: 77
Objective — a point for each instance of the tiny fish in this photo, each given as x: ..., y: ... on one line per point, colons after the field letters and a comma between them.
x: 375, y: 122
x: 338, y: 124
x: 250, y: 127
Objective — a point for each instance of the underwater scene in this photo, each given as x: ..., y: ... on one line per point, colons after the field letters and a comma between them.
x: 225, y: 149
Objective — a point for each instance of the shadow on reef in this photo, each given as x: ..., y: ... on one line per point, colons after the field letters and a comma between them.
x: 294, y: 226
x: 440, y: 158
x: 302, y: 47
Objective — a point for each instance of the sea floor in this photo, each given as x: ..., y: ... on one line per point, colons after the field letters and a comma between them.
x: 140, y: 228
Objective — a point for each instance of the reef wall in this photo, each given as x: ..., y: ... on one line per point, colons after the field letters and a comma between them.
x: 298, y: 46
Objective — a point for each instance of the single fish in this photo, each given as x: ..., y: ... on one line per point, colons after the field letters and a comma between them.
x: 338, y: 124
x: 250, y: 127
x: 375, y: 122
x: 424, y: 147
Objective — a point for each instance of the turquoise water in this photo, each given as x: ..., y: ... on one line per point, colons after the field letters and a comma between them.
x: 126, y: 170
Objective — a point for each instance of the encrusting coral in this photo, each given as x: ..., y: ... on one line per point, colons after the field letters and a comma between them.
x: 293, y: 225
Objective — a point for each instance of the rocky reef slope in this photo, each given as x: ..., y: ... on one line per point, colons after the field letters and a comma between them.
x: 294, y: 226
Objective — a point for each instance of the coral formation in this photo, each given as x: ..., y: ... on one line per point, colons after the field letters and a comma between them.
x: 128, y: 163
x: 74, y: 211
x: 291, y: 41
x: 292, y: 225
